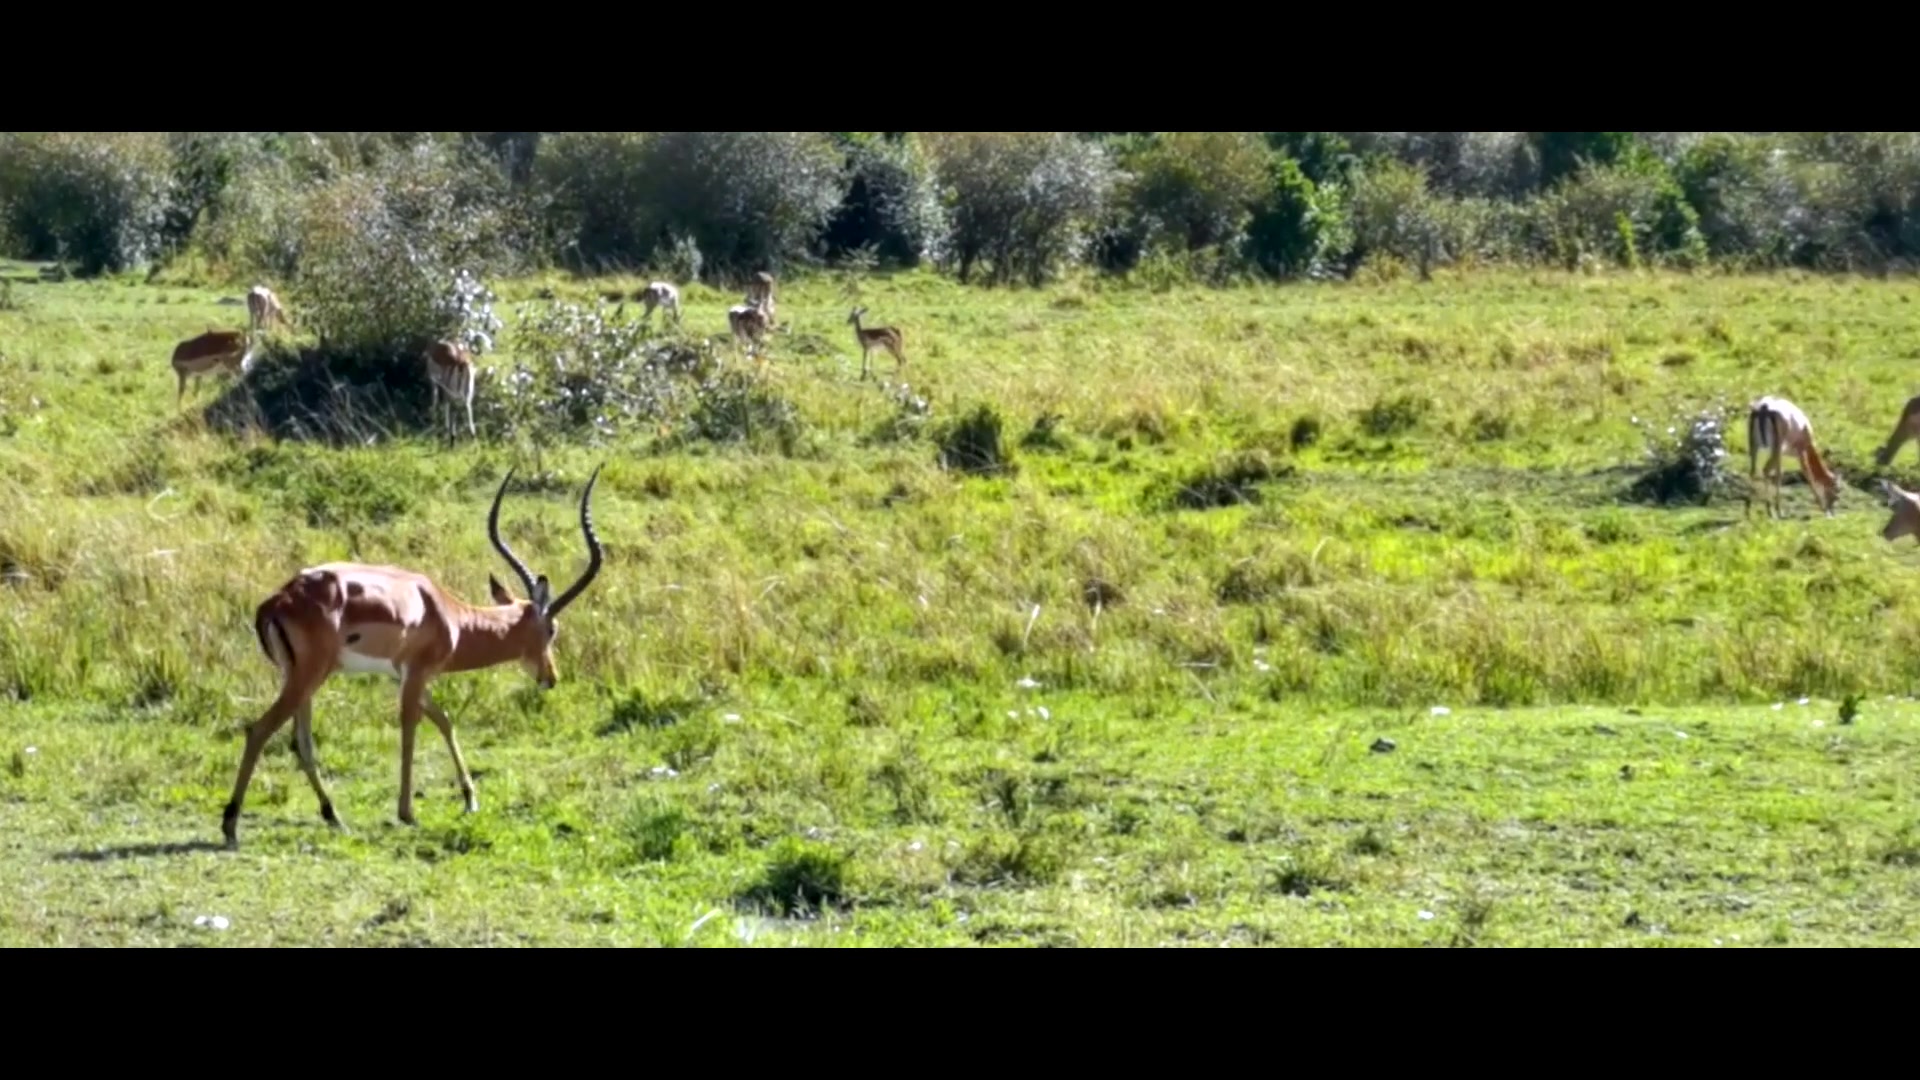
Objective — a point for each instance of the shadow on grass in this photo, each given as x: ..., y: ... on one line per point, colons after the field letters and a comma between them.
x: 140, y: 851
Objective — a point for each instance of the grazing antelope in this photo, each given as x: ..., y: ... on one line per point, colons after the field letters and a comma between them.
x: 450, y: 370
x: 657, y: 295
x: 264, y: 309
x: 1907, y: 431
x: 210, y: 352
x: 750, y: 326
x: 1906, y: 512
x: 380, y: 620
x: 1777, y: 426
x: 880, y: 337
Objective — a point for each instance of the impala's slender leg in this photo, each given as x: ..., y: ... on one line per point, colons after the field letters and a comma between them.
x: 441, y: 721
x: 295, y: 693
x: 412, y: 689
x: 310, y: 763
x: 1776, y: 476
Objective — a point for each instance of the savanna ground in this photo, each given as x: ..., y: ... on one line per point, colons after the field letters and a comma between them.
x: 1132, y: 694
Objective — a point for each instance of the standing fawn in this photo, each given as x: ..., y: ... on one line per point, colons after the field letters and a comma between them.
x: 450, y: 370
x: 210, y: 352
x: 1777, y: 426
x: 880, y: 337
x: 264, y: 309
x: 658, y: 295
x: 1907, y: 431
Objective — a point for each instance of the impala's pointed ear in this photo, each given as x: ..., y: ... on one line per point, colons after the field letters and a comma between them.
x: 542, y: 593
x: 500, y: 594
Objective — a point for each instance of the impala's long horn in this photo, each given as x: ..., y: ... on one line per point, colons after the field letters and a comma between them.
x: 493, y: 534
x: 596, y: 555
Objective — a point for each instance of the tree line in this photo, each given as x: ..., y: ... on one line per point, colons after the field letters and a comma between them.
x: 990, y: 206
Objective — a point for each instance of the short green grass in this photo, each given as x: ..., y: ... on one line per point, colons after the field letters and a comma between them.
x: 1133, y: 693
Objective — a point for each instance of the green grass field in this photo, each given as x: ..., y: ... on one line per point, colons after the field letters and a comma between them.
x: 1132, y: 694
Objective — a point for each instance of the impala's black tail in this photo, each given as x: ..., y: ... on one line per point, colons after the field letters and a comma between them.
x: 1760, y: 429
x: 262, y: 621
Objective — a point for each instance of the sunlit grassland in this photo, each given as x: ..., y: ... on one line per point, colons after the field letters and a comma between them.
x: 1127, y: 695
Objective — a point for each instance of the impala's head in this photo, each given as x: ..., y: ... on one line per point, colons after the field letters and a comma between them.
x: 858, y: 314
x: 538, y: 625
x: 1906, y: 513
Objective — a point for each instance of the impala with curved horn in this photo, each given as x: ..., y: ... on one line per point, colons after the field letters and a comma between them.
x: 380, y: 620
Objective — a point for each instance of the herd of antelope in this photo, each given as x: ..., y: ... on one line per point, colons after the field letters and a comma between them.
x: 382, y: 620
x: 450, y: 368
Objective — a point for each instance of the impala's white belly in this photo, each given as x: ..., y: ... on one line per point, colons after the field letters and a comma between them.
x: 354, y: 664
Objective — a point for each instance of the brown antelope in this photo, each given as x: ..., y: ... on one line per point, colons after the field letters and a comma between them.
x: 750, y: 326
x: 880, y: 337
x: 450, y: 370
x: 264, y: 309
x: 1905, y: 432
x: 212, y: 351
x: 760, y: 295
x: 380, y: 620
x: 1906, y: 512
x: 1777, y: 426
x: 657, y: 295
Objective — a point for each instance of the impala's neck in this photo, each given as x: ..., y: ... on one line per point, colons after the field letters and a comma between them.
x: 492, y: 636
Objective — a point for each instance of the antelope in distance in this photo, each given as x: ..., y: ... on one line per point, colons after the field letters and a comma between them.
x: 657, y: 295
x: 1778, y: 427
x: 264, y: 310
x: 1905, y: 432
x: 450, y: 370
x: 880, y: 337
x: 381, y: 620
x: 215, y: 350
x: 750, y: 326
x: 760, y: 295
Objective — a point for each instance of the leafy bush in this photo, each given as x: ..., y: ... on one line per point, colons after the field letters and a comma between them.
x: 909, y: 419
x: 254, y: 222
x: 96, y: 199
x: 1688, y: 463
x: 389, y: 265
x: 1324, y: 157
x: 892, y: 208
x: 1857, y: 197
x: 1565, y: 153
x: 1298, y: 226
x: 1744, y: 194
x: 1022, y: 202
x: 576, y: 371
x: 1618, y: 213
x: 1395, y: 213
x: 1189, y: 190
x: 748, y: 200
x: 1485, y: 164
